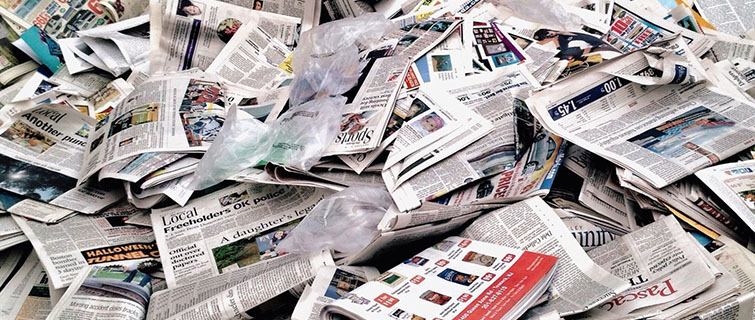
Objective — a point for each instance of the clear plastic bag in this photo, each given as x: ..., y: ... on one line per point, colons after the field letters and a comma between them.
x: 241, y: 143
x: 326, y: 60
x: 546, y: 12
x: 302, y: 134
x: 345, y: 221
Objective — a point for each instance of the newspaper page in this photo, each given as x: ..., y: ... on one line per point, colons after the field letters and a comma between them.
x: 61, y: 19
x: 229, y: 229
x: 443, y: 127
x: 734, y: 17
x: 82, y: 240
x: 738, y: 308
x: 532, y: 176
x: 368, y: 106
x: 456, y: 278
x: 725, y: 287
x: 195, y: 32
x: 661, y: 133
x: 27, y: 295
x: 165, y: 114
x: 130, y: 36
x: 532, y: 225
x: 733, y: 183
x: 115, y: 291
x: 10, y: 260
x: 726, y: 46
x: 252, y: 60
x: 331, y: 283
x: 42, y: 159
x: 658, y: 260
x: 491, y: 96
x: 229, y: 295
x: 633, y: 28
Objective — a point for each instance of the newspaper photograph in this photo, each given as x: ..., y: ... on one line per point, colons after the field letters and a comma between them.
x: 229, y: 229
x: 67, y: 247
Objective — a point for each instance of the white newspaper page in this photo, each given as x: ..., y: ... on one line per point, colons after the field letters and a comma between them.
x: 734, y: 183
x: 659, y: 262
x: 252, y: 60
x: 165, y: 114
x: 230, y: 294
x: 661, y: 133
x: 71, y: 245
x: 446, y: 127
x: 734, y: 17
x: 195, y: 32
x: 134, y: 168
x: 532, y: 225
x: 369, y: 106
x: 331, y: 283
x: 229, y: 229
x: 457, y: 279
x: 27, y: 295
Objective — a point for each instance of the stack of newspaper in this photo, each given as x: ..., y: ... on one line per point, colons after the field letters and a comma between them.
x: 537, y: 159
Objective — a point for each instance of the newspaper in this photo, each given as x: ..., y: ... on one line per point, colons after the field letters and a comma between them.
x: 733, y: 17
x: 658, y: 260
x: 14, y: 62
x: 264, y: 106
x: 131, y: 38
x: 98, y: 292
x: 436, y: 132
x: 42, y: 158
x: 63, y: 19
x: 194, y: 32
x: 330, y: 283
x: 10, y: 260
x: 532, y: 225
x: 491, y: 96
x: 732, y: 183
x: 634, y: 27
x: 368, y: 108
x: 152, y: 119
x: 618, y: 119
x: 589, y: 235
x: 229, y: 229
x: 252, y: 60
x: 738, y: 308
x: 457, y: 278
x: 27, y: 295
x: 532, y: 176
x: 84, y: 240
x: 230, y: 294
